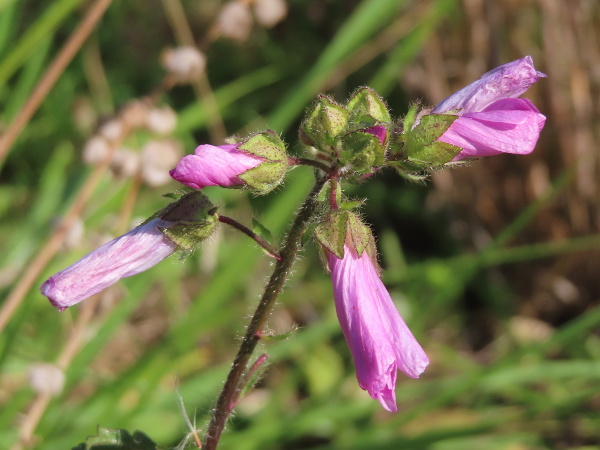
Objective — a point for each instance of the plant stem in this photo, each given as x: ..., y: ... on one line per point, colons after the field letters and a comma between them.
x: 288, y: 254
x: 272, y: 251
x: 309, y: 162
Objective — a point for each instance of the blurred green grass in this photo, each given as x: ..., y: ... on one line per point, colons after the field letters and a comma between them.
x: 495, y: 381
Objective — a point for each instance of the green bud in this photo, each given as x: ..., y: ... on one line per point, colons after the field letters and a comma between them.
x: 269, y: 174
x: 195, y: 219
x: 366, y: 103
x: 362, y: 151
x: 324, y: 122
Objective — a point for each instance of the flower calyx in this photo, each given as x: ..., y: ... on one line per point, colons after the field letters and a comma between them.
x: 342, y: 227
x: 269, y: 174
x: 194, y: 219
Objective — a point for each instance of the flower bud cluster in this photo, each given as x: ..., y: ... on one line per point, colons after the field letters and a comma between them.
x: 353, y: 136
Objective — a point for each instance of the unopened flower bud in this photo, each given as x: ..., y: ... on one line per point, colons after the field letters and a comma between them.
x: 161, y: 120
x: 235, y: 21
x: 325, y: 121
x: 259, y: 163
x: 269, y: 12
x: 185, y: 63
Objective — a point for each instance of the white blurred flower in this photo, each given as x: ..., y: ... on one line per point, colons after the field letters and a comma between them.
x: 126, y: 163
x: 46, y: 378
x: 270, y: 12
x: 185, y: 63
x: 135, y: 114
x: 158, y: 157
x: 112, y: 130
x: 161, y: 120
x: 95, y: 150
x: 235, y: 21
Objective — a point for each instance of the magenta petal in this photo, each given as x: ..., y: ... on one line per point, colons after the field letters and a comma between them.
x: 506, y: 81
x: 497, y: 129
x: 379, y: 340
x: 128, y: 255
x: 379, y: 131
x: 214, y: 166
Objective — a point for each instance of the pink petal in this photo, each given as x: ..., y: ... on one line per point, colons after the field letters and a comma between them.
x: 506, y: 81
x: 496, y: 130
x: 127, y: 255
x: 214, y: 166
x: 379, y: 340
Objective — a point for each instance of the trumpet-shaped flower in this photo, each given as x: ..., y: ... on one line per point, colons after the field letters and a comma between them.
x: 380, y: 341
x: 127, y: 255
x: 491, y: 119
x: 215, y: 166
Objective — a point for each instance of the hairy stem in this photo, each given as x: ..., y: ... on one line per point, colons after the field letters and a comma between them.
x: 288, y: 254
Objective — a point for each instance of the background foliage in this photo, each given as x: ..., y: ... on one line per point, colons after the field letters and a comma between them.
x: 494, y: 266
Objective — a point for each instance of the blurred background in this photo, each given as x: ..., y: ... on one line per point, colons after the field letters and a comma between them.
x: 494, y: 266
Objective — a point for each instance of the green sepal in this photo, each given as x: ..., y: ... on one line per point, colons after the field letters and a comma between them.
x: 324, y: 122
x: 351, y: 204
x: 331, y: 233
x: 264, y: 178
x: 269, y: 174
x: 362, y: 151
x: 360, y: 233
x: 409, y: 119
x: 366, y: 102
x: 267, y: 145
x: 194, y: 219
x: 118, y: 439
x: 420, y: 145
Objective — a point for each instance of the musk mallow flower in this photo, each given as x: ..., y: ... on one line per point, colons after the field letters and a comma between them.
x: 127, y: 255
x: 491, y: 119
x: 379, y: 339
x: 181, y: 225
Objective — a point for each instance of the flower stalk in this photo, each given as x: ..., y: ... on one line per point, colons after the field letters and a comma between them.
x: 288, y: 254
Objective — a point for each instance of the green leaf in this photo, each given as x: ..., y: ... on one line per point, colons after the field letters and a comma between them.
x: 112, y: 439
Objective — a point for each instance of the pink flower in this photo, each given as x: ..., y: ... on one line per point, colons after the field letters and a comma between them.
x: 130, y: 254
x: 214, y: 166
x: 492, y: 120
x: 379, y: 340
